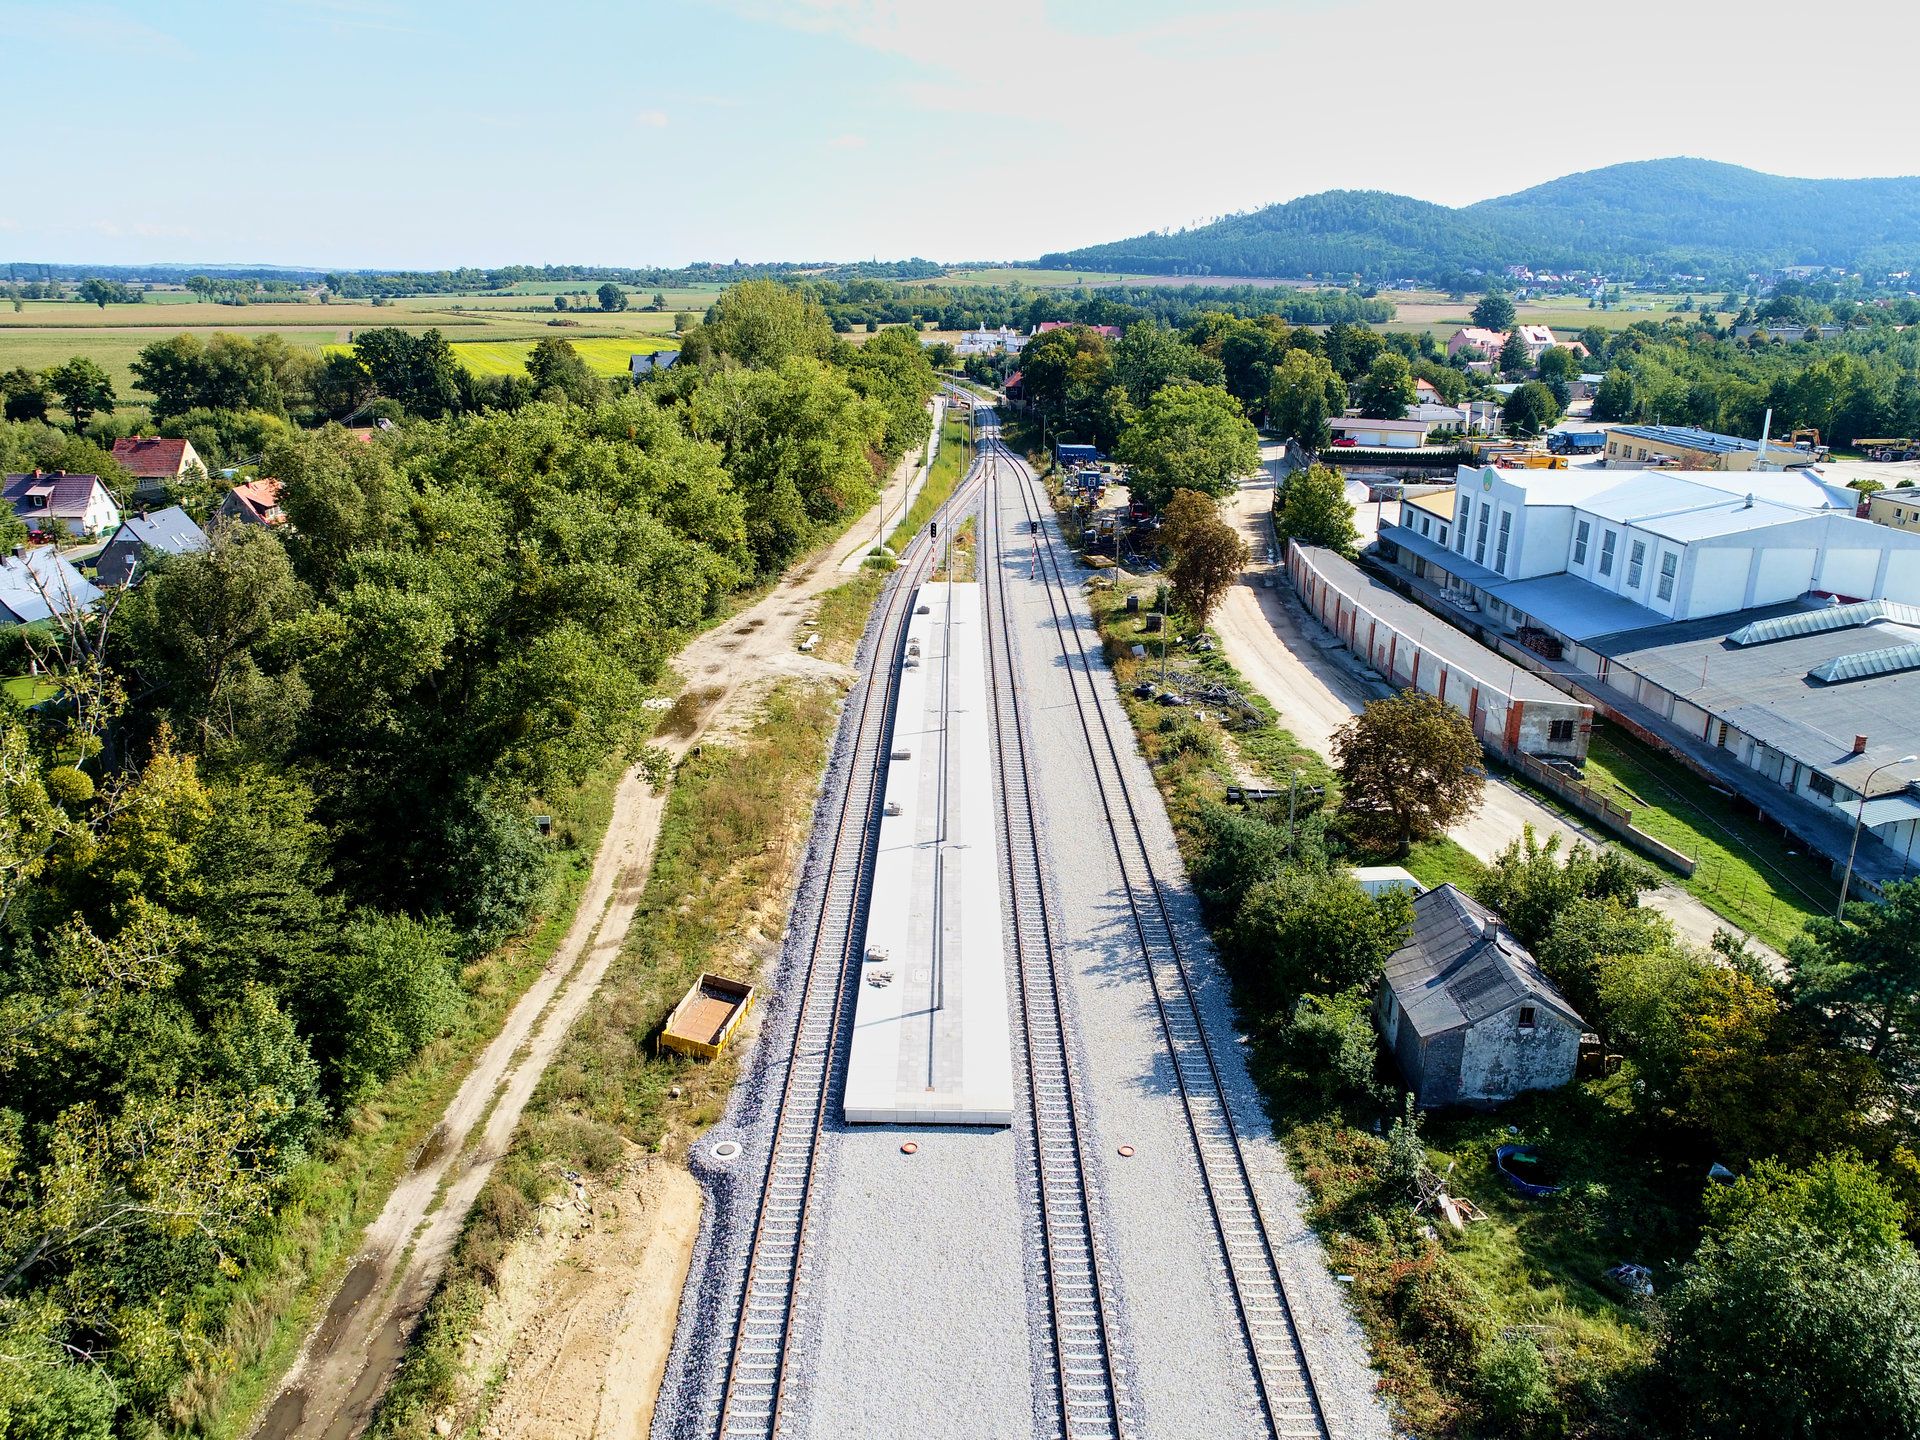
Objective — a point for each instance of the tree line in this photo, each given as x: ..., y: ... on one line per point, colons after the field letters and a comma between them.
x: 282, y: 798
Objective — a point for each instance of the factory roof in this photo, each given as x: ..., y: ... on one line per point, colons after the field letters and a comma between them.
x: 1691, y: 438
x: 1766, y: 686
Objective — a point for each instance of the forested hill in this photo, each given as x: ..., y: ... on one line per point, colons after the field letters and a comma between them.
x: 1652, y: 216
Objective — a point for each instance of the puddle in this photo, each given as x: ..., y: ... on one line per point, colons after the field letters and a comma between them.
x: 355, y: 1288
x: 435, y: 1147
x: 284, y: 1418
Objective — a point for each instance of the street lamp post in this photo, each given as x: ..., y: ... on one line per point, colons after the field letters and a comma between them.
x: 1859, y: 814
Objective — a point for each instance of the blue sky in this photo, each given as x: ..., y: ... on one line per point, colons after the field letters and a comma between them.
x: 422, y: 133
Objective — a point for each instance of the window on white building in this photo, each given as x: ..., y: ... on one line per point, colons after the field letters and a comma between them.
x: 1636, y: 564
x: 1560, y: 732
x: 1526, y: 1017
x: 1466, y: 511
x: 1607, y: 538
x: 1669, y: 569
x: 1580, y: 536
x: 1480, y: 537
x: 1506, y: 535
x: 1443, y: 537
x: 1820, y: 785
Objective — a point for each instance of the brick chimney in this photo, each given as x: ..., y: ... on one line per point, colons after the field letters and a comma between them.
x: 1859, y: 744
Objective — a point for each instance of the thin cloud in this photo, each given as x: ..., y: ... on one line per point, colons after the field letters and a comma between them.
x: 847, y: 142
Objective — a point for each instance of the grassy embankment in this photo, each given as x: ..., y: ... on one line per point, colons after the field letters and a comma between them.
x: 286, y: 1269
x: 716, y: 899
x: 948, y: 467
x: 1434, y: 1309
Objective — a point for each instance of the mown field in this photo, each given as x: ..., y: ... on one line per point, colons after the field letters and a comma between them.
x: 1417, y: 310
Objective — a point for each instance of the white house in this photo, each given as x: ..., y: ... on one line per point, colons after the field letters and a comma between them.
x: 1380, y: 434
x: 989, y: 342
x: 46, y: 500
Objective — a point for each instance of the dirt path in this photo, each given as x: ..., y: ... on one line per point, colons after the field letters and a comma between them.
x: 1316, y: 687
x: 333, y: 1387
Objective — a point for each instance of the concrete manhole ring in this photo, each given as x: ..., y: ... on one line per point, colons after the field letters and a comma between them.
x: 726, y: 1150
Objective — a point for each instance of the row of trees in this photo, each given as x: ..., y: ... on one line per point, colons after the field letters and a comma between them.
x: 283, y: 801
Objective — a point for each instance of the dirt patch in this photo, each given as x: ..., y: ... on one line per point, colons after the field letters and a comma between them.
x: 574, y: 1339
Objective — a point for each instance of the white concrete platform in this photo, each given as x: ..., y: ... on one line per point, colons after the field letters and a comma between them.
x: 930, y: 1031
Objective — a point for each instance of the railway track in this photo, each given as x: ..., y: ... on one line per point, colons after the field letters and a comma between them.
x: 1282, y: 1379
x: 754, y: 1387
x: 1084, y: 1386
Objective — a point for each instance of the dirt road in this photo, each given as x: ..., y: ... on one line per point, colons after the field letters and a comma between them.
x: 332, y: 1389
x: 1316, y: 686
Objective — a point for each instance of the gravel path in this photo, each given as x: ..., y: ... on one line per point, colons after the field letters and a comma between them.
x: 1190, y: 1375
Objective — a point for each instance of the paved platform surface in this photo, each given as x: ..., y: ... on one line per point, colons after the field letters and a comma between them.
x: 931, y: 1043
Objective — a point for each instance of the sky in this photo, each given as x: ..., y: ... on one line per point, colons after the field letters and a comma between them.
x: 425, y: 134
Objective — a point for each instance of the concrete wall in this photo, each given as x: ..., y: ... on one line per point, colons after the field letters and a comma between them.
x: 1499, y: 1059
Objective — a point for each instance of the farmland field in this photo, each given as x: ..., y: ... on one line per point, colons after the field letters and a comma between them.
x: 1417, y: 310
x: 604, y: 356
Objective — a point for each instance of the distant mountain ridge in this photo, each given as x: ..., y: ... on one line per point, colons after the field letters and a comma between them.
x: 1645, y: 217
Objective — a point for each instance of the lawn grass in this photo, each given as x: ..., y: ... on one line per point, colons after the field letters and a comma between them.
x: 289, y: 1265
x: 1747, y: 871
x: 945, y: 474
x: 716, y: 899
x: 25, y: 690
x: 1443, y: 862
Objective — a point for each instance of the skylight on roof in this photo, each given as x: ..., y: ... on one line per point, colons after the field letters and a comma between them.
x: 1818, y: 622
x: 1868, y: 663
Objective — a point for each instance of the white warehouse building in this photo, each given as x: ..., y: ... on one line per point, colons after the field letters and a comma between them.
x: 1669, y: 601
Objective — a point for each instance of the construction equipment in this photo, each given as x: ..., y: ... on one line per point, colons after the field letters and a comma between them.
x: 1888, y: 451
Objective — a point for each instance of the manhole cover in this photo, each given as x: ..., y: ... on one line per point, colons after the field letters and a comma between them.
x: 726, y: 1150
x: 1126, y: 1152
x: 909, y: 1148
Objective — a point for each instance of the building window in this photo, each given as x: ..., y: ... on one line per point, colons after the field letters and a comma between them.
x: 1506, y: 535
x: 1560, y: 732
x: 1426, y: 525
x: 1669, y: 568
x: 1820, y: 785
x: 1466, y: 510
x: 1480, y: 537
x: 1607, y: 537
x: 1580, y: 542
x: 1526, y: 1017
x: 1636, y: 564
x: 1443, y: 537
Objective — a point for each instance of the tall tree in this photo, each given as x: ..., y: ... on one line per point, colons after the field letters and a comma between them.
x: 1304, y: 396
x: 1861, y: 974
x: 1530, y: 409
x: 84, y: 388
x: 556, y: 367
x: 1208, y: 554
x: 762, y: 324
x: 1410, y: 767
x: 1313, y: 508
x: 1190, y: 437
x: 1494, y: 312
x: 611, y: 297
x: 1387, y: 389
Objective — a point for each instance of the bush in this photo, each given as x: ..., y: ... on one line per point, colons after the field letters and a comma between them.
x: 1513, y: 1386
x: 1330, y: 1044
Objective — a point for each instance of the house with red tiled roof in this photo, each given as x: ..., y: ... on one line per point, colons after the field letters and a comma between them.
x: 156, y: 462
x: 52, y: 500
x: 257, y: 502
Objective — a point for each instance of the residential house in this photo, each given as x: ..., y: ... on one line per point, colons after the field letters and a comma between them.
x: 1441, y: 417
x: 156, y: 463
x: 54, y: 500
x: 257, y: 502
x: 1537, y: 338
x: 1425, y: 394
x: 651, y: 362
x: 1789, y: 330
x: 39, y: 583
x: 1111, y: 332
x: 1467, y: 1013
x: 1473, y: 337
x: 168, y: 532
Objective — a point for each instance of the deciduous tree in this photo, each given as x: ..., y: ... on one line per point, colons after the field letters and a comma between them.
x: 1190, y: 437
x: 1313, y: 508
x: 1305, y: 394
x: 1494, y: 311
x: 1410, y: 767
x: 1531, y: 409
x: 1387, y: 389
x: 84, y: 388
x: 1208, y: 554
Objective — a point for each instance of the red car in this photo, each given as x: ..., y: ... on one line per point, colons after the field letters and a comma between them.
x: 1344, y: 442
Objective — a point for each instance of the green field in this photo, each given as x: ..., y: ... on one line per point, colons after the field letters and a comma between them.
x: 1417, y: 310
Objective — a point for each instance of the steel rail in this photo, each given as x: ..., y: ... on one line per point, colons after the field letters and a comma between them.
x: 1288, y: 1395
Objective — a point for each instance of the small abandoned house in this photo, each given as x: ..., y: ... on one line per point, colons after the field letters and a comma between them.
x: 1466, y: 1011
